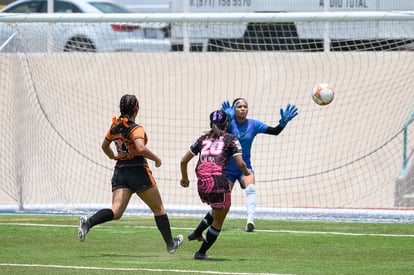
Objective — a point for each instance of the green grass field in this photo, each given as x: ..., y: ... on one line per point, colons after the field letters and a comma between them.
x: 37, y: 244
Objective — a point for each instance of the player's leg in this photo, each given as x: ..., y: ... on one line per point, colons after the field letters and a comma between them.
x: 220, y: 210
x: 197, y: 234
x: 120, y: 199
x: 250, y: 188
x: 152, y: 198
x: 212, y: 234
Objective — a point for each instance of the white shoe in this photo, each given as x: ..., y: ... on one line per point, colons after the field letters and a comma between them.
x: 178, y: 241
x: 249, y: 227
x: 83, y: 228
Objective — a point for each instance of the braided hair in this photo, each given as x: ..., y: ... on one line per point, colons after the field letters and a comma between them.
x: 128, y: 105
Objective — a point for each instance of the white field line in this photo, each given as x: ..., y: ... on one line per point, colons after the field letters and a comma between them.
x: 134, y: 269
x: 233, y: 229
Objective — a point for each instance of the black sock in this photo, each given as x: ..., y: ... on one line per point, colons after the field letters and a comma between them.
x: 103, y: 215
x: 204, y: 224
x: 211, y: 238
x: 163, y: 224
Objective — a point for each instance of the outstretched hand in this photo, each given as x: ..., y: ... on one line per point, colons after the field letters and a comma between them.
x: 229, y: 110
x: 288, y: 114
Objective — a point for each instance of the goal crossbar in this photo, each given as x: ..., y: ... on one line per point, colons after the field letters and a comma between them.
x: 210, y: 17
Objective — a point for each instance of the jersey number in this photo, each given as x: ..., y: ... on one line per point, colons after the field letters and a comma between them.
x: 212, y: 147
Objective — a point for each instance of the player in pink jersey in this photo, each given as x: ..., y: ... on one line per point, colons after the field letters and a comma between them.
x: 215, y: 149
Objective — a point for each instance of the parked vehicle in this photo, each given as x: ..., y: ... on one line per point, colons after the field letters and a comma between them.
x: 85, y: 37
x: 281, y: 36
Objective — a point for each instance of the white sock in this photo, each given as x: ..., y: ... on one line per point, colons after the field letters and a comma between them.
x: 251, y: 202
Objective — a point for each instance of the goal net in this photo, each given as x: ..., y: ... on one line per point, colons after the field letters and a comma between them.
x: 61, y: 78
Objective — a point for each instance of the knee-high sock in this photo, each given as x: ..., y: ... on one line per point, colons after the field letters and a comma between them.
x: 102, y: 216
x: 204, y: 224
x: 250, y: 202
x: 211, y: 238
x: 163, y: 224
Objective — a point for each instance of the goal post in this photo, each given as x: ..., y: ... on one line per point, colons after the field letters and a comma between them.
x: 404, y: 189
x: 340, y: 161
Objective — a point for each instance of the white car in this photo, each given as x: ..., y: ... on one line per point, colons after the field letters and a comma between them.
x: 90, y: 37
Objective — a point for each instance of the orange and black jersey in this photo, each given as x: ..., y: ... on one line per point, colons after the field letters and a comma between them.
x: 123, y: 135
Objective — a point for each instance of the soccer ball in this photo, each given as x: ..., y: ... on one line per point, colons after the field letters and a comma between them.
x: 323, y: 94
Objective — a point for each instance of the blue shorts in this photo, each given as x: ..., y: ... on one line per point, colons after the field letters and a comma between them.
x: 233, y: 175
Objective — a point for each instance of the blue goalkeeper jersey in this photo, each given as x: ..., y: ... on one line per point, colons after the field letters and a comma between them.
x: 245, y: 132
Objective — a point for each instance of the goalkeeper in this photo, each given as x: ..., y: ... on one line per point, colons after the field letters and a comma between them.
x: 246, y: 130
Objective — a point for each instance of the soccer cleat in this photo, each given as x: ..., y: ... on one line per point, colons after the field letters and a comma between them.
x: 178, y: 241
x: 83, y: 228
x: 201, y: 256
x: 192, y: 237
x: 249, y: 227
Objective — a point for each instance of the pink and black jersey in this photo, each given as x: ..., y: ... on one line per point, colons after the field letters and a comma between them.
x: 214, y: 154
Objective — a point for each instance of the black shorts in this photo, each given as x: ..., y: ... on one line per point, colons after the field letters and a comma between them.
x: 136, y: 178
x: 219, y: 201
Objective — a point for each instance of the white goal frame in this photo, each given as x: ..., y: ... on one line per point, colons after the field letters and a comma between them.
x: 317, y: 18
